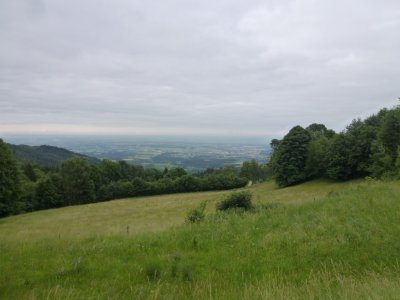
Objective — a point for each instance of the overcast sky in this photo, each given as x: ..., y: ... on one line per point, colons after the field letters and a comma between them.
x: 195, y: 67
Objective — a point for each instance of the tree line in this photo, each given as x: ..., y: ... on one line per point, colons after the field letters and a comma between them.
x: 368, y: 147
x: 27, y: 187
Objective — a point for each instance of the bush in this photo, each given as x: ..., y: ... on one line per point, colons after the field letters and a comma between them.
x: 197, y: 214
x: 236, y: 200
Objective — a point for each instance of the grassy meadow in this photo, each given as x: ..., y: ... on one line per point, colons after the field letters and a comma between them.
x: 318, y: 240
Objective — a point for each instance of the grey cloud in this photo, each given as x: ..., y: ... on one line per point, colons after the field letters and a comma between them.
x: 232, y: 65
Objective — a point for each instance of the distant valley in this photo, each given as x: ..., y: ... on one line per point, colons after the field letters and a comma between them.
x: 159, y: 153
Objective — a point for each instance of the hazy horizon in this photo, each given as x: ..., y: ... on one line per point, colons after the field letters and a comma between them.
x: 62, y: 140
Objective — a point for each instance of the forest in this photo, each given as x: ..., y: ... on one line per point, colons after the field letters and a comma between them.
x: 367, y: 147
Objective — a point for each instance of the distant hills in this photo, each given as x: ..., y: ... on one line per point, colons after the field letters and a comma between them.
x: 46, y: 156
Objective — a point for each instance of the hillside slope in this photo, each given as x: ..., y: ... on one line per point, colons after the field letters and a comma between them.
x: 318, y: 240
x: 46, y: 156
x: 142, y: 214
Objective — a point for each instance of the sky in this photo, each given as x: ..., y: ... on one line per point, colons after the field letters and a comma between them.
x: 210, y: 67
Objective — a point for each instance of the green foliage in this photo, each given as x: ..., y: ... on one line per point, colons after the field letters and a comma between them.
x: 197, y: 214
x: 5, y: 209
x: 141, y: 187
x: 389, y: 133
x: 397, y: 164
x: 223, y: 182
x: 175, y: 173
x: 381, y: 161
x: 26, y: 200
x: 152, y: 174
x: 291, y: 156
x: 48, y: 193
x: 366, y: 148
x: 110, y: 171
x: 188, y: 183
x: 317, y: 158
x: 360, y: 138
x: 78, y: 185
x: 339, y: 167
x: 349, y: 155
x: 163, y: 186
x: 274, y: 144
x: 126, y: 172
x: 117, y: 189
x: 319, y: 130
x: 236, y: 200
x: 10, y: 181
x: 29, y: 171
x: 253, y: 171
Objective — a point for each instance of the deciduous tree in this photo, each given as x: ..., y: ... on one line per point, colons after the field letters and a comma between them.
x: 9, y: 180
x: 291, y: 156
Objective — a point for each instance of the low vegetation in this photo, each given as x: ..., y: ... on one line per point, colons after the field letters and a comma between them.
x: 238, y: 200
x: 318, y: 240
x: 197, y: 214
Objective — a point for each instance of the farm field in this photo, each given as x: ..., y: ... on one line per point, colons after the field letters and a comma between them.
x: 317, y: 240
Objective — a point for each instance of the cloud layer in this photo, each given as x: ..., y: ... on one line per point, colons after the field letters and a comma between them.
x: 201, y: 67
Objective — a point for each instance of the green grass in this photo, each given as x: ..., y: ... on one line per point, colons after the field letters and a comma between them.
x: 142, y: 214
x: 319, y: 240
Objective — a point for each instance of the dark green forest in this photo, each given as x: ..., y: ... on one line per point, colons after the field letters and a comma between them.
x: 367, y: 147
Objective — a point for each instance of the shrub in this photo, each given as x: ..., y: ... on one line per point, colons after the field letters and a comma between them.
x: 236, y: 200
x: 197, y: 214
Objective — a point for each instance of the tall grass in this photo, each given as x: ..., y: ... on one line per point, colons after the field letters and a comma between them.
x: 341, y: 245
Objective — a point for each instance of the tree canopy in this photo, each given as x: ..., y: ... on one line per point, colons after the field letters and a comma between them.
x: 291, y: 156
x: 10, y: 182
x: 367, y: 147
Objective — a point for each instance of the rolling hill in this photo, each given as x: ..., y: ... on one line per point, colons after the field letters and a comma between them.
x: 319, y: 240
x: 46, y: 156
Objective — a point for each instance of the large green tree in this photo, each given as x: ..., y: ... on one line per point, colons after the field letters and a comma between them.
x: 291, y: 156
x: 9, y: 180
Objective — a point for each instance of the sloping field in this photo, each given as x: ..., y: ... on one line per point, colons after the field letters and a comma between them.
x: 314, y: 241
x: 141, y: 215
